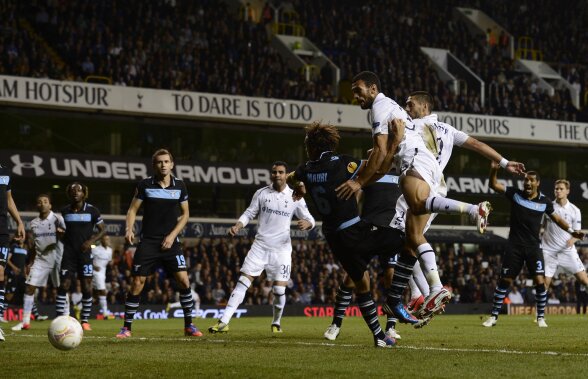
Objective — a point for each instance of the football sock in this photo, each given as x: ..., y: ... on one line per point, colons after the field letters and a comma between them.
x: 34, y: 310
x: 103, y: 304
x: 342, y: 301
x: 187, y: 303
x: 391, y: 322
x: 279, y: 302
x: 420, y: 281
x: 370, y: 313
x: 131, y: 306
x: 541, y: 299
x: 499, y: 295
x: 86, y: 307
x: 236, y: 298
x: 60, y: 302
x: 402, y: 274
x: 428, y: 262
x: 415, y: 292
x: 438, y: 204
x: 2, y: 300
x: 28, y: 302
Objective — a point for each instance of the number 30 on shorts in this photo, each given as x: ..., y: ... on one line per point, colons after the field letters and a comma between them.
x: 285, y: 270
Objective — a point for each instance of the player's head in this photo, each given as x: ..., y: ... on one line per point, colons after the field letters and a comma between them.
x: 320, y: 138
x: 105, y: 240
x: 278, y: 174
x: 163, y: 162
x: 43, y: 203
x: 561, y: 189
x: 419, y: 104
x: 365, y: 86
x: 531, y: 183
x: 77, y: 192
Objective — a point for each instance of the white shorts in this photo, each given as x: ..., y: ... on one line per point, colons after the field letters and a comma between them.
x: 99, y: 279
x: 40, y: 271
x: 276, y: 263
x: 428, y: 167
x: 568, y: 260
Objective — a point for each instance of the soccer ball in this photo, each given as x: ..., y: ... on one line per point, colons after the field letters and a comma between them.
x: 65, y: 333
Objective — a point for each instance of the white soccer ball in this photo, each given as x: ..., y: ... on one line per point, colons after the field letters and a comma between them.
x: 65, y: 333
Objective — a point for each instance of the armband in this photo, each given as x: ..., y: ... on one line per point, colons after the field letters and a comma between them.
x: 503, y: 162
x: 570, y: 230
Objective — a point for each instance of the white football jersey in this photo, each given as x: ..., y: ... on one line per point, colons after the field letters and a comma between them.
x: 440, y: 137
x: 275, y: 210
x: 554, y: 238
x: 385, y: 109
x: 45, y: 233
x: 102, y: 255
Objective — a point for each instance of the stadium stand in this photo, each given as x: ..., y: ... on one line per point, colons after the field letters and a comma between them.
x: 315, y: 275
x: 174, y: 44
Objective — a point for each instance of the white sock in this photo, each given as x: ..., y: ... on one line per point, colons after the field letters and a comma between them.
x: 66, y: 308
x: 420, y: 281
x: 438, y: 204
x: 426, y: 256
x: 415, y: 292
x: 27, y: 306
x: 197, y: 306
x: 236, y: 298
x: 279, y: 303
x: 103, y: 304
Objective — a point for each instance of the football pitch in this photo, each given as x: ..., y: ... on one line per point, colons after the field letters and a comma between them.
x: 450, y: 347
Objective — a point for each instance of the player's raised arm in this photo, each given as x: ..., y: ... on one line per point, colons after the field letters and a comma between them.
x: 483, y: 149
x: 494, y: 184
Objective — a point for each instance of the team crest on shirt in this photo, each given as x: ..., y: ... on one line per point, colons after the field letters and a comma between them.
x: 351, y: 167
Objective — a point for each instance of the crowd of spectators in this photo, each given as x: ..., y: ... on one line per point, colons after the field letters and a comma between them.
x: 215, y: 267
x: 204, y: 46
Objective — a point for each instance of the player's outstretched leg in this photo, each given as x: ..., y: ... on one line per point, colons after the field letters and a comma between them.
x: 236, y: 298
x: 479, y: 213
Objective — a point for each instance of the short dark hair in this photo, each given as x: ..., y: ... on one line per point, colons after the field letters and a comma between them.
x: 159, y: 152
x: 321, y: 138
x: 44, y: 195
x: 72, y: 185
x: 280, y: 163
x: 535, y: 174
x: 423, y: 97
x: 368, y: 78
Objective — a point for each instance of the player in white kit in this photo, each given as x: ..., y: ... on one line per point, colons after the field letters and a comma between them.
x: 440, y: 138
x: 102, y: 256
x: 558, y: 245
x: 47, y: 229
x: 272, y: 249
x: 420, y: 176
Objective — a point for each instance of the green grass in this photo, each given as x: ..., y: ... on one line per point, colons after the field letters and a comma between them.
x: 450, y: 347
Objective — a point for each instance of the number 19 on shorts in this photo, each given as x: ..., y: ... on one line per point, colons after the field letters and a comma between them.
x: 181, y: 261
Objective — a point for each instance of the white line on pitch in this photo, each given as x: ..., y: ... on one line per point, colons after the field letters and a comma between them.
x: 329, y: 344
